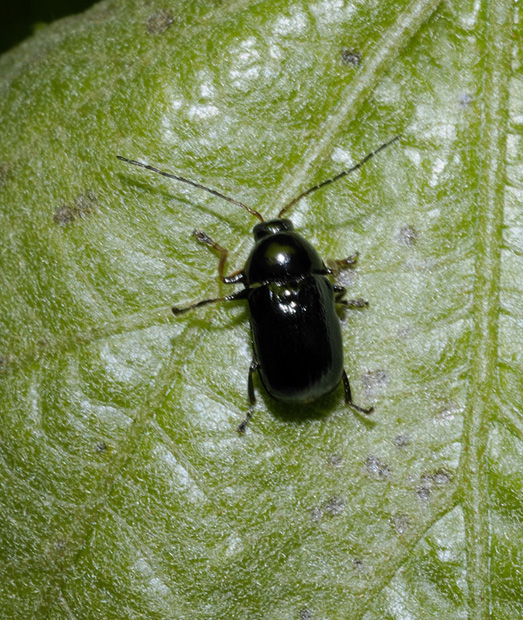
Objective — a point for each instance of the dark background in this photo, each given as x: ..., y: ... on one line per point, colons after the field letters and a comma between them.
x: 19, y: 17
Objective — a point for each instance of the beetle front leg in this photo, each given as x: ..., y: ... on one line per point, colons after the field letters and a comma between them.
x: 235, y: 277
x: 339, y: 292
x: 252, y: 397
x: 348, y: 397
x: 337, y: 265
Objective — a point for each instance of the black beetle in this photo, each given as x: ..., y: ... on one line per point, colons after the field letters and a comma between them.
x: 296, y: 333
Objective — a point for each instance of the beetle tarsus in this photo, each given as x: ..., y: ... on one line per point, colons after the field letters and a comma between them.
x: 252, y: 396
x: 203, y: 237
x: 348, y: 397
x: 243, y: 426
x: 367, y: 411
x: 340, y: 264
x: 353, y: 303
x: 339, y: 293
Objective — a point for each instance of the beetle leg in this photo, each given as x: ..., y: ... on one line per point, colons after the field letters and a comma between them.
x: 337, y: 265
x: 348, y: 396
x: 235, y: 277
x: 339, y: 292
x: 353, y: 303
x: 252, y: 397
x: 235, y: 296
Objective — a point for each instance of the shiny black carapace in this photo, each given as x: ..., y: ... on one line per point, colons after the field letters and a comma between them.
x: 296, y: 334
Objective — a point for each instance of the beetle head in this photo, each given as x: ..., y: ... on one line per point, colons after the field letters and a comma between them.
x: 264, y: 229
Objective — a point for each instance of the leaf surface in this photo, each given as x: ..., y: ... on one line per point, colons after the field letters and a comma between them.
x: 126, y: 492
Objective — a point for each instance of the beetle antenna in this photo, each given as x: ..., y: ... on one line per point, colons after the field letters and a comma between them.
x: 338, y: 176
x: 207, y: 189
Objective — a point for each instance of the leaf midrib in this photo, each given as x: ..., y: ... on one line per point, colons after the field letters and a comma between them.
x: 483, y: 377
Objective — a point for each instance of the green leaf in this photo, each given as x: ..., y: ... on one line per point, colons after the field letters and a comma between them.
x: 126, y: 491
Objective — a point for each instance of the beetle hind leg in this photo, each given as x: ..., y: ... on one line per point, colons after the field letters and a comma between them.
x: 348, y: 397
x: 252, y: 396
